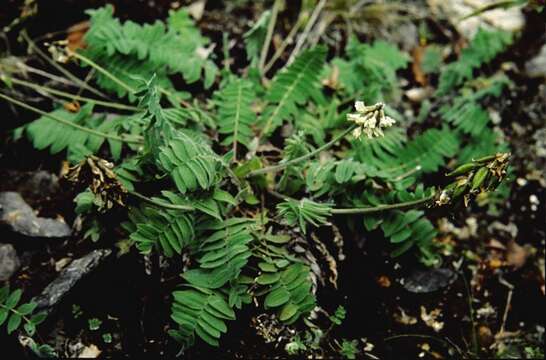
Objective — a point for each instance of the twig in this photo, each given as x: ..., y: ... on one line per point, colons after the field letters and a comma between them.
x: 67, y: 95
x: 508, y: 303
x: 269, y: 35
x: 306, y: 31
x: 26, y: 68
x: 283, y: 165
x: 470, y: 297
x: 287, y: 41
x: 102, y: 70
x: 122, y: 138
x: 62, y: 70
x: 447, y: 343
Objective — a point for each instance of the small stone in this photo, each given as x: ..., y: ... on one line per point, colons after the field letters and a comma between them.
x: 68, y: 277
x: 20, y: 217
x: 430, y: 280
x: 510, y: 19
x: 536, y: 67
x: 9, y: 262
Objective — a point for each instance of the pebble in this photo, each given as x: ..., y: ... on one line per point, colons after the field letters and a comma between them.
x: 9, y: 261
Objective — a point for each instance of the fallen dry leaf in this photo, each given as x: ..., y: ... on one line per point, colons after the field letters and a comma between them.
x: 76, y: 34
x: 516, y: 255
x: 404, y: 318
x: 418, y: 72
x: 90, y: 352
x: 384, y: 281
x: 431, y: 319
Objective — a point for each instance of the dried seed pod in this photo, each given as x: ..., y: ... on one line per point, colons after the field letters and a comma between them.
x: 97, y: 174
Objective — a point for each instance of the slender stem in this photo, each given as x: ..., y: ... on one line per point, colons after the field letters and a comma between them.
x: 67, y: 95
x: 366, y: 210
x: 62, y: 70
x: 122, y: 138
x: 26, y: 68
x: 475, y: 343
x: 447, y: 343
x: 120, y: 82
x: 287, y: 41
x: 161, y: 203
x: 102, y: 70
x: 269, y: 34
x: 306, y: 31
x: 276, y: 168
x: 381, y: 208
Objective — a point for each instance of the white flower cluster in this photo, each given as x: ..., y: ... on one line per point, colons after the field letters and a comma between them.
x: 371, y: 120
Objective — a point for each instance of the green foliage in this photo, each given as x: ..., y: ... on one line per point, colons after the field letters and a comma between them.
x: 349, y: 349
x: 202, y: 312
x: 432, y: 59
x: 404, y: 229
x: 169, y: 231
x: 235, y: 115
x: 216, y: 220
x: 466, y: 112
x: 293, y: 87
x: 303, y: 212
x: 48, y: 133
x: 223, y: 254
x: 370, y: 70
x: 387, y: 158
x: 484, y: 47
x: 289, y: 292
x: 135, y: 52
x: 255, y: 37
x: 14, y: 313
x: 190, y: 162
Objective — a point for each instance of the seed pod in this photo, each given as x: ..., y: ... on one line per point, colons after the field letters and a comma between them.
x: 459, y: 190
x: 480, y: 178
x: 485, y: 159
x: 463, y: 169
x: 492, y: 183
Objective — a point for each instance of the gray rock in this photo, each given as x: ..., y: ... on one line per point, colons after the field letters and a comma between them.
x: 509, y: 19
x: 430, y: 280
x: 9, y: 262
x: 40, y: 183
x: 536, y: 67
x: 20, y: 217
x: 69, y: 276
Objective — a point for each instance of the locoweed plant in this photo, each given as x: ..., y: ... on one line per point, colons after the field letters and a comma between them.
x: 231, y: 186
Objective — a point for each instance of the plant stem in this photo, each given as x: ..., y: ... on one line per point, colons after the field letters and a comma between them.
x: 62, y: 70
x: 278, y: 167
x: 269, y: 34
x: 64, y: 94
x: 122, y: 138
x: 161, y: 203
x: 381, y: 208
x: 306, y: 31
x: 366, y: 210
x: 475, y: 343
x: 447, y: 343
x: 283, y: 46
x: 118, y: 81
x: 102, y: 70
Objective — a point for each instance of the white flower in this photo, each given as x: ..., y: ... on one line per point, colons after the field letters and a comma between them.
x: 371, y: 120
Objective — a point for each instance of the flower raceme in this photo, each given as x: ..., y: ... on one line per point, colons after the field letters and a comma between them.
x: 371, y: 120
